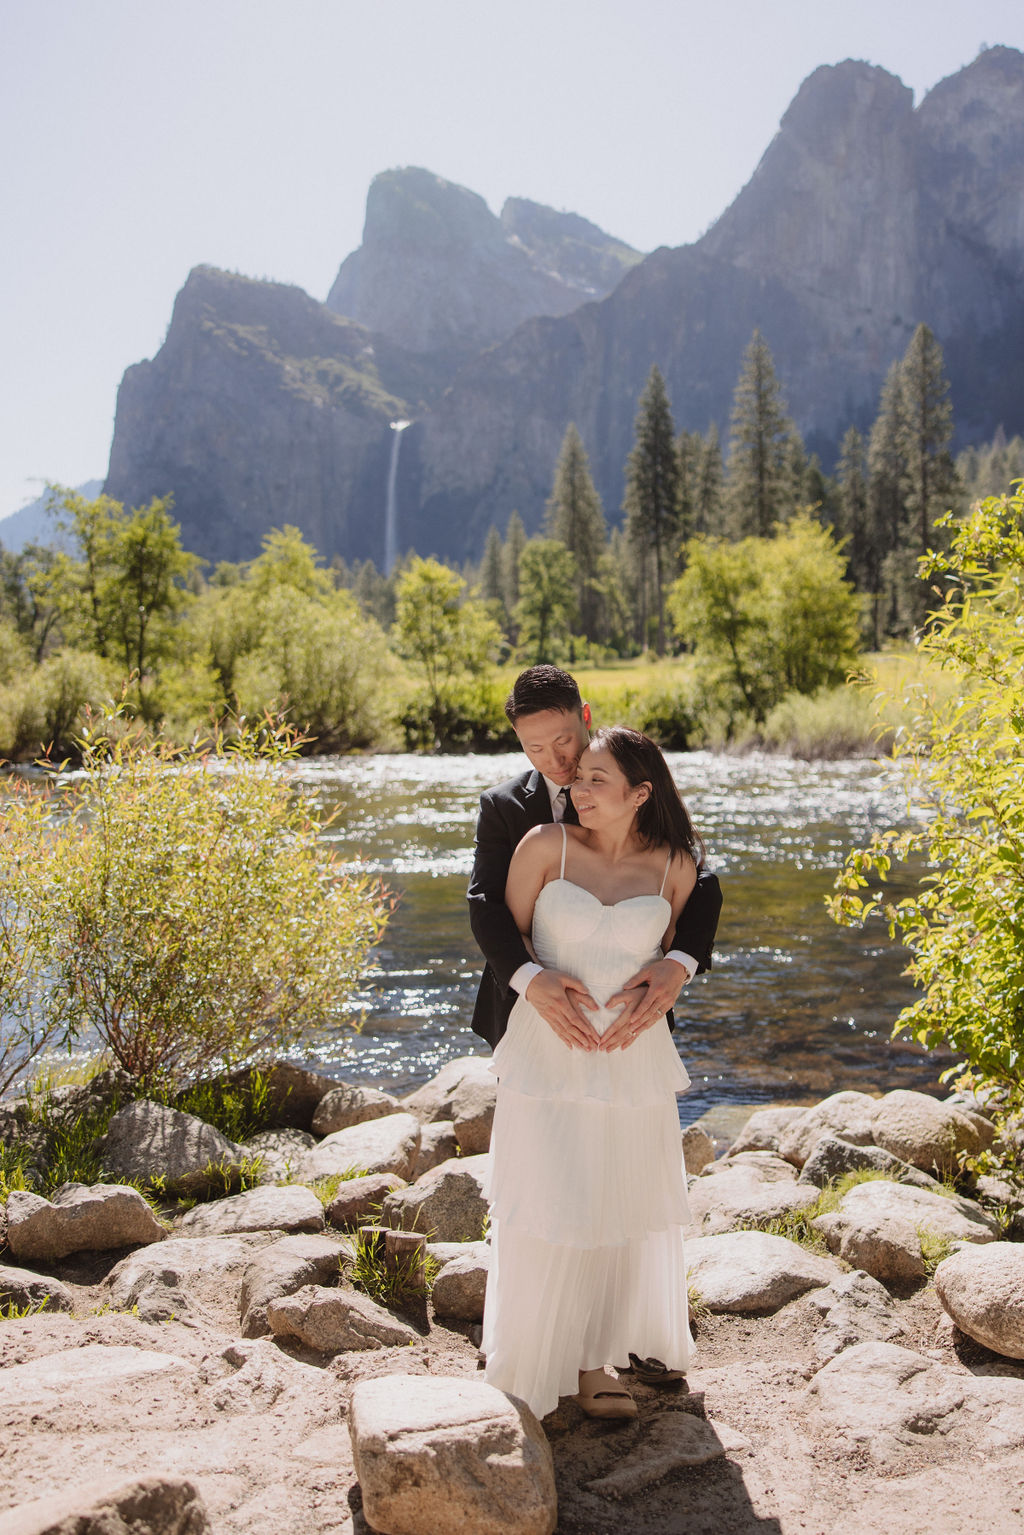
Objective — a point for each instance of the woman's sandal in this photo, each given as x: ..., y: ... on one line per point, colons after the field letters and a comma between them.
x: 651, y: 1372
x: 609, y: 1400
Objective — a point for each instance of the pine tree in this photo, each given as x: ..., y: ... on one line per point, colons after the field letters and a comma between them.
x: 710, y: 485
x: 492, y: 574
x: 690, y: 451
x: 651, y: 502
x: 885, y: 504
x: 926, y: 427
x: 760, y: 454
x: 575, y: 517
x: 515, y: 543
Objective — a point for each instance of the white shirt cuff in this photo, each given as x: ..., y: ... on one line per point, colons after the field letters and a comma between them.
x: 524, y: 975
x: 687, y: 961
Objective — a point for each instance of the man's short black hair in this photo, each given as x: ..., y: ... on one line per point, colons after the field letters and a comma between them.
x: 542, y: 687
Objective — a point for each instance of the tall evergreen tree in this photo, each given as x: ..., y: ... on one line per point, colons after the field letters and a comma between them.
x: 710, y: 486
x: 651, y: 502
x: 760, y: 488
x: 515, y: 543
x: 575, y: 517
x: 690, y: 449
x: 492, y: 573
x: 926, y: 427
x: 885, y: 503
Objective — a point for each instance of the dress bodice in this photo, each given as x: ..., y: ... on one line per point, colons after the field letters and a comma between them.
x: 601, y: 945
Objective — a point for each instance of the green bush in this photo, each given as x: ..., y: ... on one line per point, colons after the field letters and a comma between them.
x: 44, y: 710
x: 827, y: 725
x: 963, y: 756
x: 190, y: 917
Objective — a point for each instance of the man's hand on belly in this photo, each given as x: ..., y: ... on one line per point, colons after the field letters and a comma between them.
x: 561, y: 1000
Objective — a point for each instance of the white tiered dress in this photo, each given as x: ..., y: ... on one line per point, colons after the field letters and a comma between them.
x: 586, y: 1182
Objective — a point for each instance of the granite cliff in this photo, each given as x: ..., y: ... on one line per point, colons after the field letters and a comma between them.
x: 864, y: 217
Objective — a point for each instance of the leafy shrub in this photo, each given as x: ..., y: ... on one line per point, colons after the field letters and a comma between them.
x: 963, y: 755
x: 44, y: 711
x: 192, y: 920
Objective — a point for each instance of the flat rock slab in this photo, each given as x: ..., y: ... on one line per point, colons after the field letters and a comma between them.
x: 878, y: 1227
x: 347, y: 1104
x: 20, y: 1287
x: 92, y: 1386
x: 741, y: 1196
x: 854, y: 1309
x: 438, y: 1454
x: 435, y: 1098
x: 147, y: 1505
x: 742, y: 1271
x: 199, y: 1277
x: 886, y: 1399
x: 982, y: 1289
x: 147, y: 1142
x: 461, y: 1285
x: 387, y: 1145
x: 99, y: 1218
x: 292, y: 1208
x: 331, y: 1320
x: 447, y: 1204
x: 281, y: 1269
x: 675, y: 1440
x: 359, y: 1200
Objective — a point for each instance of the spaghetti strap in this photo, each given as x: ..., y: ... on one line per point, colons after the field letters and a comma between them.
x: 561, y: 872
x: 664, y: 877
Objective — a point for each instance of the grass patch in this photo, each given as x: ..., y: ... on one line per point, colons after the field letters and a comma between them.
x: 10, y: 1311
x: 389, y: 1283
x: 326, y: 1187
x: 699, y: 1308
x: 934, y: 1248
x: 13, y: 1162
x: 238, y: 1110
x: 798, y: 1225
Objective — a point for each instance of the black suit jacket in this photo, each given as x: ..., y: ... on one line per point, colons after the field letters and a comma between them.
x: 507, y: 813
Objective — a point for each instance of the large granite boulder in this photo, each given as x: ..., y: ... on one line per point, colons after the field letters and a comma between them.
x: 291, y: 1208
x: 197, y: 1278
x: 472, y: 1104
x: 461, y: 1285
x: 331, y: 1320
x: 386, y: 1145
x: 434, y: 1453
x: 879, y: 1227
x: 436, y: 1098
x: 742, y: 1271
x: 832, y: 1157
x: 733, y: 1194
x: 849, y: 1115
x: 283, y: 1268
x: 446, y: 1204
x: 111, y: 1505
x: 928, y: 1134
x: 982, y: 1289
x: 762, y: 1130
x: 359, y: 1200
x: 20, y: 1287
x: 348, y: 1104
x: 79, y: 1218
x: 698, y: 1149
x: 150, y: 1143
x: 279, y: 1152
x: 438, y: 1143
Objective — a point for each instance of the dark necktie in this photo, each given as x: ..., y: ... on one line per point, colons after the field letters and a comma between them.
x: 562, y: 803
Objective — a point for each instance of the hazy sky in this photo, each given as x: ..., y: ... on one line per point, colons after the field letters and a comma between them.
x: 141, y: 137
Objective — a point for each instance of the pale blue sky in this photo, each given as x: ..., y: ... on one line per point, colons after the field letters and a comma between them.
x: 141, y: 137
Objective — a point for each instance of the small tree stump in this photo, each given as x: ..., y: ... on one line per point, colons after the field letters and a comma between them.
x: 403, y: 1252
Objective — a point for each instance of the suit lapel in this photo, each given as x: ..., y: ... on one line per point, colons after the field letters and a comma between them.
x: 536, y: 800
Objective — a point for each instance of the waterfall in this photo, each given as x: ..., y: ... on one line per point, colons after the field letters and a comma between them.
x: 391, y: 514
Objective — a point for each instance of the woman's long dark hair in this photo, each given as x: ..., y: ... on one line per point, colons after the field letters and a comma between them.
x: 662, y: 820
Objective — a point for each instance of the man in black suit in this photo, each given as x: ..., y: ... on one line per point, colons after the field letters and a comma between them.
x: 552, y: 724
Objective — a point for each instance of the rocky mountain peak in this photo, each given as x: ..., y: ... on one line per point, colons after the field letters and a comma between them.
x: 438, y: 272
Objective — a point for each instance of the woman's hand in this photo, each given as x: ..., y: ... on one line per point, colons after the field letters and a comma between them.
x: 645, y: 999
x: 560, y: 1000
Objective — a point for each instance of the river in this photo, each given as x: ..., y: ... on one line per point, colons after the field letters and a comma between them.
x: 794, y: 1007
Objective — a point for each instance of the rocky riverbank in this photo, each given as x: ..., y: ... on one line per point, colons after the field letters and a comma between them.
x: 219, y: 1363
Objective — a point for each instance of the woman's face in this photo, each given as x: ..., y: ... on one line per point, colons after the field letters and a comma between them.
x: 602, y: 792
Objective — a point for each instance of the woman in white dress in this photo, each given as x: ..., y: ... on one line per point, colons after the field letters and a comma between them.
x: 586, y: 1182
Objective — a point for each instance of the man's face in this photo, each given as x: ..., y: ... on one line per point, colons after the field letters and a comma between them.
x: 553, y: 740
